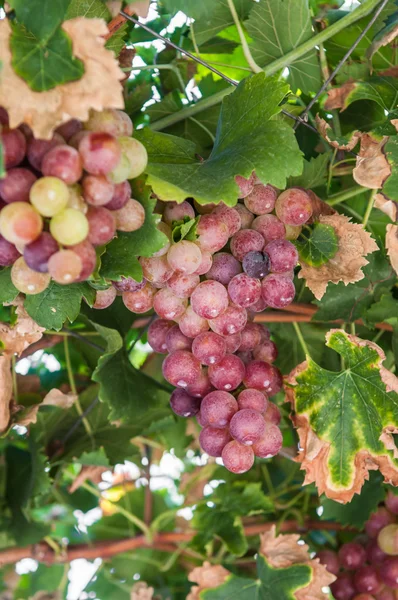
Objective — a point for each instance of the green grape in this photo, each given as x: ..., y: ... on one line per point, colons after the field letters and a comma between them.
x: 136, y: 154
x: 49, y: 195
x: 69, y: 227
x: 387, y: 539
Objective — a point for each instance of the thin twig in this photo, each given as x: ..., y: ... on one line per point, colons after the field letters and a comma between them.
x: 301, y: 339
x: 73, y: 388
x: 78, y: 421
x: 85, y: 340
x: 245, y: 46
x: 369, y: 207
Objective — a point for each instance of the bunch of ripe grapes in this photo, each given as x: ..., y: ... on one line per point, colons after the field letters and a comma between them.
x: 61, y: 198
x: 367, y: 569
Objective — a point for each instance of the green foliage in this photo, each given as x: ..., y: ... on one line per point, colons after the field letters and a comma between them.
x: 386, y: 309
x: 382, y: 90
x: 316, y: 245
x: 8, y: 291
x: 91, y: 9
x: 390, y: 186
x: 30, y: 14
x: 314, y: 173
x: 185, y: 230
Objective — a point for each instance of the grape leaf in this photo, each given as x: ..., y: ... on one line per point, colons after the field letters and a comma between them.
x: 314, y: 173
x: 184, y: 230
x: 8, y: 291
x: 96, y: 458
x: 175, y: 173
x: 390, y: 186
x: 279, y: 27
x: 117, y: 42
x: 57, y: 303
x: 91, y: 9
x: 45, y: 577
x: 383, y: 90
x: 345, y: 419
x: 117, y: 316
x: 317, y: 245
x: 271, y: 583
x: 386, y: 309
x: 31, y: 15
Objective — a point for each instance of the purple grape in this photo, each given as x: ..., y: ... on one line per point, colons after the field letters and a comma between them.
x: 228, y: 373
x: 270, y: 443
x: 121, y: 195
x: 38, y: 253
x: 176, y: 340
x: 183, y: 404
x: 232, y: 342
x: 283, y: 256
x: 247, y: 426
x: 330, y: 560
x: 352, y: 555
x: 367, y: 579
x: 128, y: 284
x: 181, y: 368
x: 374, y: 554
x: 237, y: 458
x: 15, y: 187
x: 343, y: 588
x: 8, y: 253
x: 388, y: 571
x: 256, y: 264
x: 272, y: 414
x: 218, y: 408
x: 209, y: 348
x: 263, y: 376
x: 224, y: 268
x: 251, y: 337
x: 157, y: 333
x: 14, y: 147
x: 377, y: 521
x: 202, y: 385
x: 244, y: 241
x: 391, y: 503
x: 267, y: 351
x: 213, y: 440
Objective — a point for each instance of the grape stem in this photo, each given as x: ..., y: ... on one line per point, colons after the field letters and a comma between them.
x: 73, y: 388
x: 245, y: 46
x: 301, y: 340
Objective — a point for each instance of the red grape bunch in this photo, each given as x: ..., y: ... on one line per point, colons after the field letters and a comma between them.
x: 63, y: 197
x: 367, y: 568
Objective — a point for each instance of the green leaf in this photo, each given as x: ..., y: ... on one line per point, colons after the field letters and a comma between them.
x: 116, y: 316
x: 30, y: 14
x: 184, y: 230
x: 386, y: 309
x: 8, y: 291
x: 386, y: 35
x: 57, y: 303
x: 271, y: 583
x: 91, y: 9
x: 273, y: 153
x: 383, y: 90
x: 279, y: 27
x: 358, y: 511
x: 348, y: 410
x: 290, y: 352
x: 44, y: 64
x: 96, y: 458
x: 117, y: 42
x: 314, y: 173
x: 317, y: 244
x: 390, y: 186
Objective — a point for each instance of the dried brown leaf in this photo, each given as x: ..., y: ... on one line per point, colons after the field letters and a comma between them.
x: 5, y: 391
x: 54, y: 398
x: 337, y: 96
x: 114, y: 7
x: 139, y: 8
x: 319, y: 207
x: 346, y: 266
x: 207, y: 576
x: 372, y: 168
x: 387, y: 206
x: 324, y: 128
x: 384, y: 40
x: 392, y: 245
x: 99, y: 87
x: 141, y: 591
x: 92, y: 473
x: 23, y: 333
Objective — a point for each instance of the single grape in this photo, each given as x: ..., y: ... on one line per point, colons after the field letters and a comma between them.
x: 209, y: 348
x: 49, y: 195
x: 192, y: 324
x: 258, y: 307
x: 140, y: 301
x: 292, y: 232
x: 272, y: 414
x: 184, y: 257
x: 37, y: 149
x: 251, y: 337
x: 64, y: 266
x: 183, y: 285
x: 231, y: 321
x: 277, y: 290
x: 246, y: 217
x: 247, y: 426
x: 128, y: 284
x: 205, y: 263
x: 8, y: 253
x: 70, y: 227
x: 367, y: 579
x: 228, y: 373
x: 244, y: 290
x: 270, y: 227
x: 230, y: 216
x: 388, y: 572
x: 213, y: 233
x: 15, y: 187
x: 101, y: 225
x: 237, y: 458
x: 76, y: 199
x: 88, y: 256
x: 263, y: 376
x: 104, y: 298
x: 157, y: 333
x: 156, y: 269
x: 252, y: 399
x: 261, y: 199
x: 121, y: 195
x: 377, y: 521
x: 388, y: 539
x: 256, y: 264
x: 69, y: 128
x: 245, y: 185
x: 38, y: 253
x: 168, y: 306
x: 184, y: 405
x: 374, y: 554
x: 14, y: 147
x: 181, y: 368
x: 218, y: 408
x: 330, y: 560
x: 164, y: 228
x: 100, y: 153
x: 130, y: 217
x: 270, y: 443
x: 177, y: 212
x: 293, y: 207
x: 200, y: 420
x: 97, y: 190
x: 20, y: 223
x: 352, y: 555
x: 63, y: 162
x: 202, y: 385
x: 343, y: 588
x: 76, y: 138
x: 391, y: 503
x: 26, y: 280
x: 110, y: 120
x: 244, y: 241
x: 224, y: 268
x: 232, y: 342
x: 213, y: 440
x: 136, y: 155
x: 267, y: 351
x: 283, y: 255
x: 209, y: 299
x: 176, y: 340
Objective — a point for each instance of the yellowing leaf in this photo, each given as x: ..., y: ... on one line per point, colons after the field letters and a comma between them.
x: 99, y: 88
x: 387, y: 206
x: 372, y: 168
x: 392, y: 245
x: 343, y: 143
x: 346, y: 265
x: 16, y: 338
x: 5, y: 391
x: 54, y: 398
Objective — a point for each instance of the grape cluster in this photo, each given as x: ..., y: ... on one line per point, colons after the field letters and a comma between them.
x: 206, y: 292
x: 367, y: 569
x: 61, y: 198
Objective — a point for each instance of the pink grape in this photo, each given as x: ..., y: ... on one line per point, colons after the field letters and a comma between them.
x: 267, y: 351
x: 352, y: 555
x: 14, y: 147
x: 37, y: 149
x: 256, y: 264
x: 246, y: 217
x: 205, y: 263
x: 391, y: 503
x: 69, y: 128
x: 218, y: 408
x: 184, y: 405
x: 192, y: 324
x: 38, y: 253
x: 128, y: 284
x: 247, y: 426
x: 237, y: 458
x: 261, y: 199
x: 181, y: 368
x: 176, y: 340
x: 140, y: 301
x: 116, y: 122
x: 231, y: 321
x: 272, y: 414
x: 270, y: 227
x: 97, y: 190
x: 120, y: 196
x: 263, y: 331
x: 202, y: 385
x: 252, y: 399
x: 227, y: 374
x: 294, y: 207
x: 104, y: 298
x: 230, y: 216
x: 213, y: 233
x: 329, y: 559
x: 65, y: 267
x: 157, y: 333
x: 277, y: 290
x: 270, y: 442
x: 377, y: 521
x: 184, y: 257
x: 244, y: 290
x: 200, y: 420
x: 209, y: 299
x: 388, y: 572
x: 100, y: 153
x: 63, y: 162
x: 26, y: 280
x: 388, y: 539
x: 102, y: 226
x: 213, y: 440
x: 88, y: 256
x: 177, y: 212
x: 366, y: 579
x: 209, y: 348
x: 374, y: 554
x: 20, y: 223
x: 130, y: 217
x: 232, y: 342
x: 263, y: 376
x: 8, y: 253
x: 168, y: 306
x: 15, y: 187
x: 156, y: 269
x: 384, y: 594
x: 244, y: 241
x: 251, y: 337
x: 343, y: 588
x: 283, y: 255
x: 245, y: 185
x: 224, y: 268
x: 259, y: 306
x: 183, y: 285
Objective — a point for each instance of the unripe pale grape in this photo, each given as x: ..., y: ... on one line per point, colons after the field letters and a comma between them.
x: 184, y: 257
x: 231, y: 321
x: 183, y: 285
x: 343, y: 588
x: 251, y: 337
x: 202, y: 385
x: 294, y: 207
x: 64, y: 266
x: 8, y: 253
x: 230, y: 216
x: 205, y: 263
x: 168, y: 306
x: 224, y: 268
x: 88, y: 256
x: 270, y: 443
x: 246, y: 217
x: 176, y: 340
x: 38, y: 253
x: 270, y: 227
x: 26, y: 280
x: 247, y: 426
x: 244, y: 290
x: 388, y: 539
x: 69, y: 128
x: 140, y: 301
x: 97, y: 190
x: 232, y: 342
x: 245, y: 185
x: 261, y: 199
x: 156, y: 269
x: 352, y: 555
x: 367, y: 579
x: 136, y: 154
x: 209, y: 348
x: 252, y: 399
x: 192, y: 324
x: 277, y: 290
x: 104, y: 298
x: 209, y: 299
x: 20, y: 223
x: 110, y: 120
x: 213, y: 440
x: 272, y: 414
x: 244, y: 241
x: 237, y: 458
x: 76, y: 199
x: 256, y: 264
x: 377, y: 521
x: 267, y: 351
x: 128, y: 284
x: 101, y: 225
x: 49, y: 195
x: 121, y: 195
x: 388, y: 571
x: 330, y: 560
x: 15, y: 187
x: 181, y: 368
x: 37, y: 149
x: 218, y: 408
x: 14, y: 147
x: 283, y: 255
x: 177, y: 212
x: 63, y: 162
x: 69, y: 227
x: 292, y: 232
x: 184, y: 405
x: 227, y: 374
x: 213, y: 233
x: 263, y: 376
x: 130, y: 217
